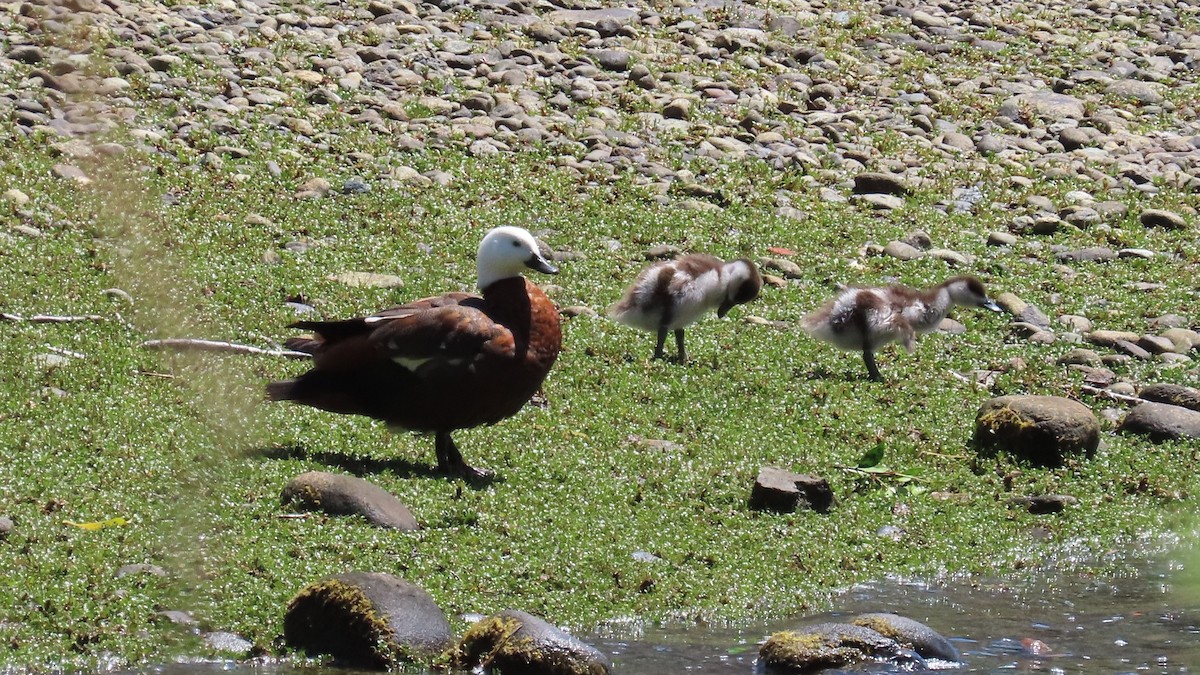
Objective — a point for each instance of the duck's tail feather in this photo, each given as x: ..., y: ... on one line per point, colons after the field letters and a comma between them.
x: 284, y: 390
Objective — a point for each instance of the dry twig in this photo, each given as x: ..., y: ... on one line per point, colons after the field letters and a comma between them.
x: 196, y: 344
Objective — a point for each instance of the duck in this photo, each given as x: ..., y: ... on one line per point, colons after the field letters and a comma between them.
x: 439, y: 364
x: 672, y: 295
x: 866, y: 318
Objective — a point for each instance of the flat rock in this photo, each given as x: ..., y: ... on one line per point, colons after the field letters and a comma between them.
x: 1045, y: 430
x: 1088, y: 254
x: 909, y: 633
x: 1043, y: 504
x: 1046, y: 105
x: 228, y: 643
x: 1162, y: 218
x: 776, y: 489
x: 880, y: 183
x: 367, y: 280
x: 829, y: 645
x: 367, y: 619
x: 1110, y: 338
x: 516, y: 642
x: 902, y: 251
x: 1162, y: 422
x: 6, y: 526
x: 348, y: 495
x: 1173, y: 394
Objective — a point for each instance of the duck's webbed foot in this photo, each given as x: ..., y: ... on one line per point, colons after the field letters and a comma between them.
x: 450, y: 461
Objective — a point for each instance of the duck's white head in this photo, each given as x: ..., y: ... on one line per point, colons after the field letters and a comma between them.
x: 742, y: 284
x: 969, y: 292
x: 506, y: 252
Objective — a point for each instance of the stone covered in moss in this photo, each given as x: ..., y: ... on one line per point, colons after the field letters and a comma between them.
x: 367, y: 619
x: 830, y: 645
x: 911, y: 633
x: 348, y: 495
x: 516, y: 643
x: 1044, y: 430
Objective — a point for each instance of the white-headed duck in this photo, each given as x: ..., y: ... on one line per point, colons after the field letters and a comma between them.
x: 439, y: 364
x: 865, y: 319
x: 671, y: 295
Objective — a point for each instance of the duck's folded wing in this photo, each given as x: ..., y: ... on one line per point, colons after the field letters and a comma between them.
x: 453, y: 335
x: 329, y: 333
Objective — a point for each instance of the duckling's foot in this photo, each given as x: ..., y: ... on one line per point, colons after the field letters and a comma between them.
x: 872, y: 369
x: 662, y: 340
x: 679, y: 345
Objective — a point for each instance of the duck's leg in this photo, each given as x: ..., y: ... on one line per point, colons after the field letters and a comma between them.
x: 872, y: 369
x: 450, y: 460
x: 662, y: 340
x: 679, y: 345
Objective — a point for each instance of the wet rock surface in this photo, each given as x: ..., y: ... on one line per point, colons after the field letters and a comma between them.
x: 831, y: 645
x: 367, y: 619
x: 910, y: 633
x: 342, y: 495
x: 1045, y: 430
x: 516, y: 642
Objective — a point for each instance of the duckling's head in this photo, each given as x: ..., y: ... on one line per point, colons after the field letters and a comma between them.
x: 506, y: 252
x: 969, y: 292
x: 743, y: 282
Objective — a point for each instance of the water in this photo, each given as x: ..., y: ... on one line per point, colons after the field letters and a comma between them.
x: 1138, y: 624
x: 1072, y: 624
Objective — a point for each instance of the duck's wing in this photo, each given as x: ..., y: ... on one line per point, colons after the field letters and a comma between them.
x: 329, y: 333
x: 440, y: 337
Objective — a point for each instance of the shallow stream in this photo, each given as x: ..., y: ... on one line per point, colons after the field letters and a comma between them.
x: 1143, y: 622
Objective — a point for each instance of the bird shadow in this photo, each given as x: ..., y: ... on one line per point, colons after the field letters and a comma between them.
x: 399, y: 467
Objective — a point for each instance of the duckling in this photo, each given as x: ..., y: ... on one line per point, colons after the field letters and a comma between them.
x: 671, y: 295
x: 868, y: 318
x: 439, y: 364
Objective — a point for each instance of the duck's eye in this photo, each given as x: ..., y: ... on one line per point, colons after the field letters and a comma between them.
x: 516, y: 244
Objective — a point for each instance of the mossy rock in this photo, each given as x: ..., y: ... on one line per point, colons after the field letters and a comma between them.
x: 831, y: 645
x: 1045, y: 430
x: 911, y: 633
x: 338, y: 494
x: 515, y: 643
x: 368, y: 620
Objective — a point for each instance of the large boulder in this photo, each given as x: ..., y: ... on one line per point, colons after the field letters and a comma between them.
x: 1162, y: 422
x: 367, y: 619
x: 1045, y: 430
x: 515, y: 642
x: 831, y: 645
x: 348, y: 495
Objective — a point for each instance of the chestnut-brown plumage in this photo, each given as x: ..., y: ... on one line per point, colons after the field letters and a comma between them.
x: 439, y: 364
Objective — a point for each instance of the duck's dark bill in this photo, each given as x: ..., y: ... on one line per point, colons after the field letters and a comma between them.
x: 539, y: 263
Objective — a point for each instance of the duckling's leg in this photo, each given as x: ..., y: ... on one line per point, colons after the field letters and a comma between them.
x: 450, y: 460
x: 679, y: 345
x: 662, y: 340
x: 872, y: 369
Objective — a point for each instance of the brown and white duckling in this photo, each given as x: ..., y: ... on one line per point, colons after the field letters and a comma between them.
x: 866, y: 319
x: 439, y: 364
x: 671, y: 295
